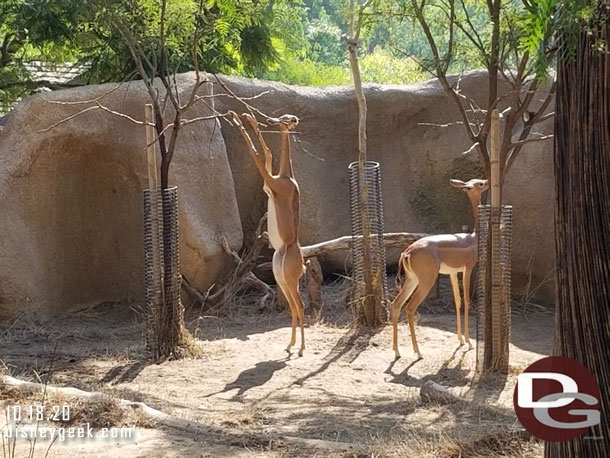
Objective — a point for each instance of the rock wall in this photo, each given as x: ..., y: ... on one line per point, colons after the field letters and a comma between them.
x: 71, y: 200
x: 417, y: 159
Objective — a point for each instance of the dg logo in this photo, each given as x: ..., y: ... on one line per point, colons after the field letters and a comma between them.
x: 557, y: 399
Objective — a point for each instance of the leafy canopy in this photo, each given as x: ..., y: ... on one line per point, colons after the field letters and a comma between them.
x: 236, y: 37
x: 295, y: 41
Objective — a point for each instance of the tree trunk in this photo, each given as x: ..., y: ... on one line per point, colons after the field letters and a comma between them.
x: 582, y: 219
x: 370, y: 307
x: 496, y: 326
x: 170, y: 322
x: 495, y: 7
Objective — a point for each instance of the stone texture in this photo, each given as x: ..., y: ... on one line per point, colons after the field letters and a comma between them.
x: 417, y: 161
x: 71, y: 200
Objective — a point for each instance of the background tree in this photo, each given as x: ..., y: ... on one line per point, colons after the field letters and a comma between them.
x: 31, y: 31
x: 490, y: 35
x: 513, y: 86
x: 163, y: 38
x: 369, y: 308
x: 237, y: 39
x: 582, y: 214
x: 296, y: 42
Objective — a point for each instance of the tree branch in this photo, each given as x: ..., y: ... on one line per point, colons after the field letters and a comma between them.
x: 530, y: 140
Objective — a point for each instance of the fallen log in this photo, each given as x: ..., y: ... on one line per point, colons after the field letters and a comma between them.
x: 435, y: 392
x: 313, y: 280
x: 390, y: 240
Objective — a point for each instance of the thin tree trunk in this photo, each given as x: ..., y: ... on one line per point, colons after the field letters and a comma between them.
x: 496, y: 329
x: 494, y: 58
x: 582, y: 222
x: 370, y: 313
x: 170, y: 327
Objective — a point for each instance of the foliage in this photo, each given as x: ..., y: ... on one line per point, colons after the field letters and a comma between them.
x: 30, y: 32
x: 294, y: 41
x: 378, y: 67
x: 565, y: 19
x: 382, y: 67
x: 236, y: 37
x: 306, y: 72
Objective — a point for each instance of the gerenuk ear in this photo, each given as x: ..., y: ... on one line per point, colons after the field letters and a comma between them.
x: 457, y: 183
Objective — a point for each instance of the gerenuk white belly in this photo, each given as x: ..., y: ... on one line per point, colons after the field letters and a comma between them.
x: 272, y: 230
x: 448, y: 270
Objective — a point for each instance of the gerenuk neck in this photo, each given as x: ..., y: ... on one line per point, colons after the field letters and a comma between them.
x: 475, y: 202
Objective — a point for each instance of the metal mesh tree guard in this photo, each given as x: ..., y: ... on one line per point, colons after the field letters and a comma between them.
x: 376, y: 249
x: 494, y: 313
x: 153, y: 273
x: 163, y: 280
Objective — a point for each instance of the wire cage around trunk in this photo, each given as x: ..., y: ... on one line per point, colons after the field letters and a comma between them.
x: 494, y: 296
x: 370, y: 196
x: 164, y: 310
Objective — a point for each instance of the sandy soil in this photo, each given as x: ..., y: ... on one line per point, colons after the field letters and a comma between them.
x: 346, y: 388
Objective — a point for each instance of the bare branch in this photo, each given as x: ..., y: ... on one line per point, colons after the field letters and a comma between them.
x: 449, y: 124
x: 212, y: 96
x: 96, y: 106
x: 82, y: 102
x: 67, y: 119
x: 472, y: 103
x: 472, y: 148
x: 478, y: 42
x: 538, y: 116
x: 543, y: 118
x: 530, y: 140
x: 457, y: 99
x: 528, y: 124
x: 185, y: 122
x: 251, y: 109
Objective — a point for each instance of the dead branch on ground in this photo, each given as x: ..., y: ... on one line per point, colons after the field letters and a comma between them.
x: 238, y: 279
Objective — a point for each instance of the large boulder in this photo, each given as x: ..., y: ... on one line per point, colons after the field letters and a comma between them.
x: 71, y: 199
x: 417, y: 159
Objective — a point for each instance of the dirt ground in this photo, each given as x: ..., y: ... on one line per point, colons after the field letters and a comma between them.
x: 247, y: 393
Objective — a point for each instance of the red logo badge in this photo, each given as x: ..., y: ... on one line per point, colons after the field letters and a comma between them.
x: 557, y: 399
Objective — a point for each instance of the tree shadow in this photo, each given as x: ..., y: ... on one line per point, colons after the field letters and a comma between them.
x: 448, y: 376
x: 487, y: 388
x: 241, y: 327
x: 125, y: 373
x: 350, y: 346
x: 528, y: 332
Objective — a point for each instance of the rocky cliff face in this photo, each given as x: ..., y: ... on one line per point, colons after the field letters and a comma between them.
x: 71, y: 200
x: 71, y: 197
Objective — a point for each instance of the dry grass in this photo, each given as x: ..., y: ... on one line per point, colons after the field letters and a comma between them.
x: 104, y: 412
x: 194, y: 348
x: 502, y: 444
x: 525, y: 301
